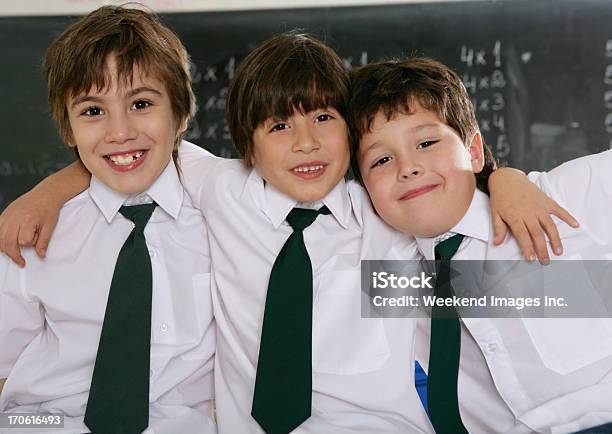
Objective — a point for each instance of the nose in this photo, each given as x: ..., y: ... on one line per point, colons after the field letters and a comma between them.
x: 305, y: 139
x: 409, y: 169
x: 120, y: 128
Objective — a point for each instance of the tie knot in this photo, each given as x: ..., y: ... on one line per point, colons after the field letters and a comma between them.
x: 139, y: 214
x: 447, y: 248
x: 300, y: 218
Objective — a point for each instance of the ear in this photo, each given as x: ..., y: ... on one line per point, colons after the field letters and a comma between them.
x: 183, y: 124
x: 475, y: 149
x: 70, y: 140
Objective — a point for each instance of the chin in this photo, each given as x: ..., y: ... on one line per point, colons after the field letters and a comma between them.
x: 428, y: 230
x: 130, y: 189
x: 310, y: 196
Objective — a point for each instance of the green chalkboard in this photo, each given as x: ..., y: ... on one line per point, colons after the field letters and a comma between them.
x: 539, y: 72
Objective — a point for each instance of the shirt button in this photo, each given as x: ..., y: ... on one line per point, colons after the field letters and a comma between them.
x: 491, y: 348
x: 152, y: 253
x: 151, y: 373
x: 164, y: 327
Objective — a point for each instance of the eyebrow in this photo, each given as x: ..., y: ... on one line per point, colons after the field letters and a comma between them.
x: 423, y: 127
x: 142, y: 89
x: 130, y: 94
x: 365, y: 152
x: 83, y: 99
x: 411, y: 130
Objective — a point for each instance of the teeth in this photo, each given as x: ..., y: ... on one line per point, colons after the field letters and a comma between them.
x: 124, y: 160
x: 308, y: 169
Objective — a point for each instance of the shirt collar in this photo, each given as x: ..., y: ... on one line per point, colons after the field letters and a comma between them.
x: 475, y: 223
x: 166, y: 191
x: 276, y: 205
x: 360, y: 201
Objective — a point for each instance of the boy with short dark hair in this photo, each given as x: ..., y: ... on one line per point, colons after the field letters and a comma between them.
x: 420, y: 155
x: 294, y: 353
x: 120, y: 92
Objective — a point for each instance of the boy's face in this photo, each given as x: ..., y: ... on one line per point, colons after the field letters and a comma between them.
x: 125, y: 134
x: 304, y: 156
x: 419, y: 173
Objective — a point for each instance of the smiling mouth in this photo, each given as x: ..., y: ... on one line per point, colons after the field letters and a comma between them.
x: 411, y: 194
x: 124, y: 159
x: 309, y: 171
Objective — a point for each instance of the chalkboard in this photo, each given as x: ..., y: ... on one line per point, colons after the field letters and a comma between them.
x: 539, y: 72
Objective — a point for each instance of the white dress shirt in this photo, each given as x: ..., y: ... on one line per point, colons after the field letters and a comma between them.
x: 51, y: 312
x: 527, y: 375
x: 363, y: 380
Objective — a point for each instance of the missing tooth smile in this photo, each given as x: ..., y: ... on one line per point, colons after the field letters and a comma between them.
x: 124, y: 159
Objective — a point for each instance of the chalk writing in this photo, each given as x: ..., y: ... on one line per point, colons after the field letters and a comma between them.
x: 485, y: 80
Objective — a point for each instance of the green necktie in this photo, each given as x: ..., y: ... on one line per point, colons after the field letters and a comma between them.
x: 283, y: 386
x: 119, y: 395
x: 444, y: 350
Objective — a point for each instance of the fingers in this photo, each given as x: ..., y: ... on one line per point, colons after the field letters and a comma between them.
x: 532, y: 235
x: 538, y: 240
x: 564, y: 215
x: 27, y: 233
x: 500, y: 230
x: 549, y: 226
x: 44, y: 237
x: 523, y: 238
x: 9, y: 235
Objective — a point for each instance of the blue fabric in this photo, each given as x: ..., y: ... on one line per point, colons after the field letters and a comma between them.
x: 420, y: 382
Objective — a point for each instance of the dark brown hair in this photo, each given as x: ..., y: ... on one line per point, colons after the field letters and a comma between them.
x: 391, y: 86
x: 75, y: 61
x: 288, y: 72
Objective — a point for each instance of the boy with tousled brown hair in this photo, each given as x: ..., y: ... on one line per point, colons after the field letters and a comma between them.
x: 138, y: 38
x: 422, y: 158
x: 120, y: 92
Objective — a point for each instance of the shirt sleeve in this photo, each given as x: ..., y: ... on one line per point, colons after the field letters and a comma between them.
x: 196, y: 166
x: 583, y: 187
x: 21, y: 318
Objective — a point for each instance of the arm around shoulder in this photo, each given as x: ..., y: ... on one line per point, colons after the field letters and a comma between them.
x: 30, y: 219
x: 520, y: 205
x: 199, y: 169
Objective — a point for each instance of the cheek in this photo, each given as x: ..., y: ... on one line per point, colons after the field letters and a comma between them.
x: 85, y: 136
x: 341, y: 139
x: 377, y: 189
x: 266, y: 163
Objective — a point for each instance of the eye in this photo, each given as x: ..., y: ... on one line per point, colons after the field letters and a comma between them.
x: 279, y: 127
x: 141, y: 104
x: 324, y: 117
x: 92, y: 111
x: 426, y: 144
x: 381, y: 161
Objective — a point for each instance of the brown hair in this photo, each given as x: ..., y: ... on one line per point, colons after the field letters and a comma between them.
x: 390, y: 86
x: 75, y: 61
x: 288, y: 72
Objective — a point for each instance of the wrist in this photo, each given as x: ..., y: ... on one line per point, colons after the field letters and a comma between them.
x: 506, y: 174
